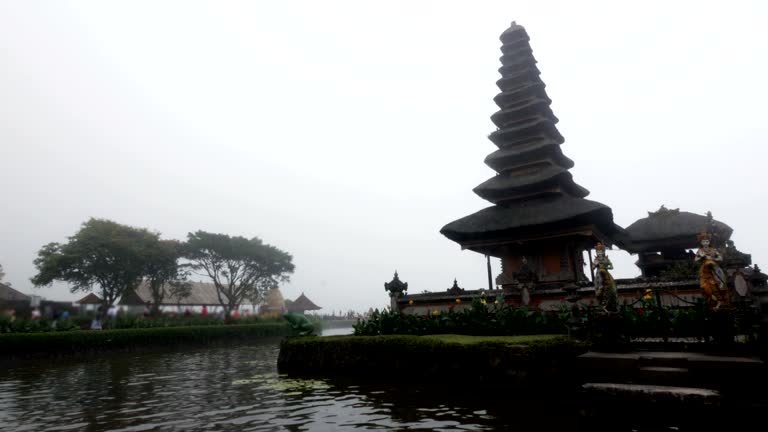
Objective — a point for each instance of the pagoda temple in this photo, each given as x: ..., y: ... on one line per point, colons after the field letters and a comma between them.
x: 540, y: 224
x: 539, y: 215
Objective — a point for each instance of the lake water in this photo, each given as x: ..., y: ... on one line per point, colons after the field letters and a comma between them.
x: 238, y: 388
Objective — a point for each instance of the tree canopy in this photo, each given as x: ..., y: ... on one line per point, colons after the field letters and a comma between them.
x: 241, y: 269
x: 103, y: 253
x: 163, y: 274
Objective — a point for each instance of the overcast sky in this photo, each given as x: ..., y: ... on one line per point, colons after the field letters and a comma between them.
x: 349, y: 133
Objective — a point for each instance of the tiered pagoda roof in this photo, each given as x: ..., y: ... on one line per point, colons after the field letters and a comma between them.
x: 533, y: 187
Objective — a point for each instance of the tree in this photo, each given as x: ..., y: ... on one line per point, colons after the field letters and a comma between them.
x: 163, y: 274
x: 2, y: 273
x: 103, y: 253
x: 179, y: 289
x: 238, y: 267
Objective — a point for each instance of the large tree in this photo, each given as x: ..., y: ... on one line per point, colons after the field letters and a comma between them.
x: 163, y: 274
x: 239, y: 268
x: 103, y: 253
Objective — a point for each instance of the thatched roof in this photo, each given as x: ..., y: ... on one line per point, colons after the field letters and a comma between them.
x: 505, y: 156
x: 8, y: 294
x: 91, y: 298
x: 548, y: 175
x: 673, y: 228
x: 529, y: 161
x: 526, y: 217
x: 534, y: 192
x: 202, y: 294
x: 301, y: 304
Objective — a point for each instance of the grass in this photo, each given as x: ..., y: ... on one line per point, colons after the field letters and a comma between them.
x: 476, y: 358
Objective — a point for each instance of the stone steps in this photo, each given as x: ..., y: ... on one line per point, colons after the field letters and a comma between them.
x: 679, y: 390
x: 666, y: 375
x: 673, y: 369
x: 615, y: 402
x: 656, y: 393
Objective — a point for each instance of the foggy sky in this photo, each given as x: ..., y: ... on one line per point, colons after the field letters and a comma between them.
x: 349, y: 133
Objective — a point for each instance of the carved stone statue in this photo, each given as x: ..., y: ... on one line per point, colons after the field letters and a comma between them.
x: 712, y: 278
x: 605, y: 286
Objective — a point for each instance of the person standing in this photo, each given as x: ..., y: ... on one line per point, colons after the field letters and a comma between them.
x: 112, y: 315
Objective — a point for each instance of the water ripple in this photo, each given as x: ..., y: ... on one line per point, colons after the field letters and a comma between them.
x: 237, y: 389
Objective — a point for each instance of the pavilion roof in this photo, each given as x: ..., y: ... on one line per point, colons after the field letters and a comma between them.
x: 8, y: 294
x: 91, y: 298
x: 674, y: 228
x: 302, y: 303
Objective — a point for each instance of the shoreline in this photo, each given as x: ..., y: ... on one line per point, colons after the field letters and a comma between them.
x: 25, y: 348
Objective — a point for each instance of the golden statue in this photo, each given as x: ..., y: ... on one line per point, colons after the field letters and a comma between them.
x: 605, y: 286
x: 712, y: 279
x: 274, y: 304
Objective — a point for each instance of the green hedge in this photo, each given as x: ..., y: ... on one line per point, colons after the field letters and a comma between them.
x: 477, y: 359
x: 16, y: 345
x: 77, y: 322
x: 479, y: 319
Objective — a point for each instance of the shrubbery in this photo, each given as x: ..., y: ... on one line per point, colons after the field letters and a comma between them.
x: 83, y: 322
x: 643, y: 319
x: 534, y: 359
x: 479, y: 319
x: 649, y: 320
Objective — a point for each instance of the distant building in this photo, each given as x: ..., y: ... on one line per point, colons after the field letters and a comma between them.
x: 12, y: 298
x: 201, y: 294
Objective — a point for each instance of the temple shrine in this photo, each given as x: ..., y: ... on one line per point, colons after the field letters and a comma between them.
x: 540, y: 224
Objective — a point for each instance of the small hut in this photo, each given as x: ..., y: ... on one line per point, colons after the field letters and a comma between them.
x: 89, y: 303
x: 302, y: 304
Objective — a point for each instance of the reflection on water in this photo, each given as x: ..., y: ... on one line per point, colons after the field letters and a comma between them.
x: 230, y: 388
x: 238, y: 388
